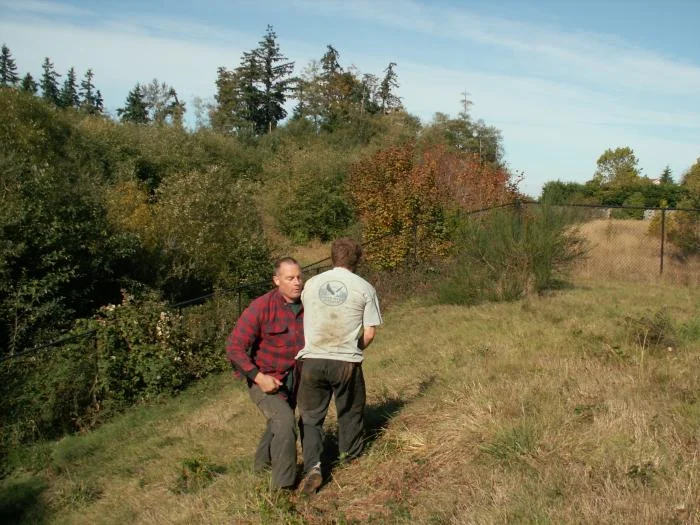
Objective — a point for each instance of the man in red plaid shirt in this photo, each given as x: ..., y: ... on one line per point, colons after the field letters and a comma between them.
x: 262, y: 347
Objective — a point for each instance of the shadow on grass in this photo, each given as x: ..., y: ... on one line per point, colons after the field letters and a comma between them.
x: 377, y: 418
x: 20, y: 501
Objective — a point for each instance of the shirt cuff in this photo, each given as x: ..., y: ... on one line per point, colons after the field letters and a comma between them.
x: 252, y: 373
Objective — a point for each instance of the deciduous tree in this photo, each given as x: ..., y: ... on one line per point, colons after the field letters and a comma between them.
x: 617, y: 167
x: 691, y: 179
x: 398, y: 203
x: 163, y: 103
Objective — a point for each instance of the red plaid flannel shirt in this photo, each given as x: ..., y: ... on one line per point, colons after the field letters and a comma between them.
x: 272, y: 332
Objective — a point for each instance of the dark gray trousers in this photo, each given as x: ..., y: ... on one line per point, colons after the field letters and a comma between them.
x: 278, y: 444
x: 320, y: 379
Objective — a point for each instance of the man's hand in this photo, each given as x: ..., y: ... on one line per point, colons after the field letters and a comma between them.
x: 267, y: 384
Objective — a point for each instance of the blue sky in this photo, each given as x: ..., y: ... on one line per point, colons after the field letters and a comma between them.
x: 562, y: 80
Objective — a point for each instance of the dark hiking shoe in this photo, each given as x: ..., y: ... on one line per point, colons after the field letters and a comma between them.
x: 311, y: 482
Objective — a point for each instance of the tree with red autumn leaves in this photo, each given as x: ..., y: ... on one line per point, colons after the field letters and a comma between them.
x: 402, y: 198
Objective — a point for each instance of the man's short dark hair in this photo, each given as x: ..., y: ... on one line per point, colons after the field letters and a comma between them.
x: 282, y: 260
x: 346, y: 252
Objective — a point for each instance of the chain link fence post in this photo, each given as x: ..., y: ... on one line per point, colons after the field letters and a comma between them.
x: 663, y: 238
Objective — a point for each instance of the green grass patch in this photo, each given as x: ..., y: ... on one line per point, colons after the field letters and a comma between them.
x: 196, y: 473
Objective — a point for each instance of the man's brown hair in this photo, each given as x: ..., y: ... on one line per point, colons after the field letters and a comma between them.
x: 346, y: 252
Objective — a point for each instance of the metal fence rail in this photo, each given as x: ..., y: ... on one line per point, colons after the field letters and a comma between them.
x: 627, y: 241
x: 640, y: 243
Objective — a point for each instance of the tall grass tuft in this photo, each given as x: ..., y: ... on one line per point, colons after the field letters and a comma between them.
x: 506, y: 254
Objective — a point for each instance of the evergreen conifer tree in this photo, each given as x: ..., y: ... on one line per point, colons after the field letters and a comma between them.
x: 387, y: 99
x: 666, y: 176
x: 238, y: 98
x: 252, y: 96
x: 49, y: 83
x: 275, y: 79
x: 329, y: 84
x: 90, y: 100
x: 99, y: 102
x: 8, y: 68
x: 135, y: 110
x: 29, y: 85
x: 69, y: 93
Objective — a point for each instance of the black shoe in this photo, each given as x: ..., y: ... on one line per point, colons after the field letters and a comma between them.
x: 311, y: 482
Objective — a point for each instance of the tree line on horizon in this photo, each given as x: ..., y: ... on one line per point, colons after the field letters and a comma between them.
x: 618, y: 181
x: 250, y: 98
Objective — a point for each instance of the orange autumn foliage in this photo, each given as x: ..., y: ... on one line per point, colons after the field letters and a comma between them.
x: 467, y: 183
x: 402, y: 198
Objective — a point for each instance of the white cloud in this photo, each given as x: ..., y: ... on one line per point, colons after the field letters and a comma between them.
x: 564, y: 99
x: 601, y: 59
x: 43, y: 8
x: 121, y: 54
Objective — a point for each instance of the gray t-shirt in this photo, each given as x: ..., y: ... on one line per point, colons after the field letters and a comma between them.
x: 338, y: 304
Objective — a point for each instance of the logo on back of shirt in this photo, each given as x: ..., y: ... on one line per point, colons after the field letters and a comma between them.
x: 333, y: 293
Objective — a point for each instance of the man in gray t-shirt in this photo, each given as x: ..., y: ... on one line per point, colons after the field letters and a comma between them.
x: 341, y: 311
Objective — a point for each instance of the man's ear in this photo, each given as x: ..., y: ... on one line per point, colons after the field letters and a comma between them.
x: 276, y: 280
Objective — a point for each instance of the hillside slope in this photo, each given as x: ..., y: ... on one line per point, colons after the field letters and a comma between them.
x: 578, y: 406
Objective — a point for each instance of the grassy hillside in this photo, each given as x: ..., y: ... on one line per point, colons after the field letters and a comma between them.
x: 577, y: 406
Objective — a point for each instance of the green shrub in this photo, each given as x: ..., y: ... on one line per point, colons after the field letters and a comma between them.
x: 636, y: 200
x: 506, y: 254
x: 209, y: 228
x: 136, y: 351
x: 682, y: 227
x: 308, y: 192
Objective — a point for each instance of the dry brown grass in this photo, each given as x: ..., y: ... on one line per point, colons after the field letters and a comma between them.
x: 569, y: 408
x: 581, y: 406
x: 623, y: 250
x: 542, y: 411
x: 312, y: 252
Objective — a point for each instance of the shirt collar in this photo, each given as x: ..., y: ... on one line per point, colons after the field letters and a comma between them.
x: 276, y: 293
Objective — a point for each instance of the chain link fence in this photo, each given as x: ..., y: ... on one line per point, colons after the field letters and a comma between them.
x: 638, y: 244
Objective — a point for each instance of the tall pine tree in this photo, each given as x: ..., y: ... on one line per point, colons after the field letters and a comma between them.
x: 90, y: 100
x: 135, y: 110
x: 8, y: 68
x: 99, y: 102
x: 388, y: 101
x: 252, y: 96
x: 69, y: 93
x: 275, y: 79
x: 238, y: 98
x: 29, y: 85
x: 49, y: 83
x: 666, y: 176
